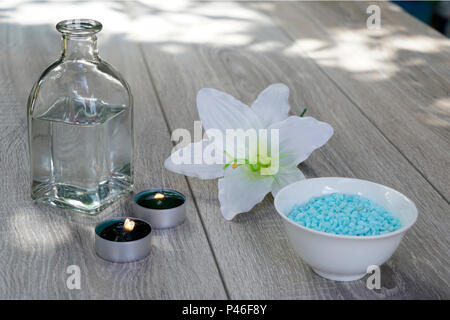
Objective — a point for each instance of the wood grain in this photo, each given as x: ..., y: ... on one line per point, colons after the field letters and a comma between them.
x: 252, y: 251
x: 168, y: 52
x: 38, y: 243
x: 398, y: 76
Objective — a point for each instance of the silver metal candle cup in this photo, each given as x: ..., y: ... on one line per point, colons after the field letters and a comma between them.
x: 160, y: 218
x: 115, y: 251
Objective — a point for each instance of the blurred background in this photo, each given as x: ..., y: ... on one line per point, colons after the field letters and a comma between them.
x: 433, y: 13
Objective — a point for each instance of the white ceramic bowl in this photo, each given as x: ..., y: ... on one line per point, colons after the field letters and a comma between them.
x: 340, y: 257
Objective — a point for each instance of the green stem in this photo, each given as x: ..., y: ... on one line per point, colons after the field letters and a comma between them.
x: 303, y: 112
x: 274, y: 178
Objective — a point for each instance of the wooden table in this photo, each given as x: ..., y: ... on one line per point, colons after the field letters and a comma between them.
x: 385, y: 92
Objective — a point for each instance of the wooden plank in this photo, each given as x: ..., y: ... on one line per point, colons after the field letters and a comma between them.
x: 38, y: 243
x: 398, y: 75
x: 234, y: 48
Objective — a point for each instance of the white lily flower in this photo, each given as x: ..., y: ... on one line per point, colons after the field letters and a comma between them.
x: 241, y: 185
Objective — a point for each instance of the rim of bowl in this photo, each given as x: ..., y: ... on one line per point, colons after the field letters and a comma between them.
x: 122, y: 219
x: 341, y: 236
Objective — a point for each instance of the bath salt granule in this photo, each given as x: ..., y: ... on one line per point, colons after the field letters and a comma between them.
x: 344, y: 214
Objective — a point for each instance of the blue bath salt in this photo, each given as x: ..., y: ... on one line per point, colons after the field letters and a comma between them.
x: 344, y: 214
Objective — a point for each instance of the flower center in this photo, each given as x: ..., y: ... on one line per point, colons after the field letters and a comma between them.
x: 261, y: 162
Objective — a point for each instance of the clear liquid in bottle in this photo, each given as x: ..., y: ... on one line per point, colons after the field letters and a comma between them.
x: 81, y: 157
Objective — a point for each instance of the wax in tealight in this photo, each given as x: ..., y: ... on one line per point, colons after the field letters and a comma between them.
x: 117, y: 232
x: 163, y: 199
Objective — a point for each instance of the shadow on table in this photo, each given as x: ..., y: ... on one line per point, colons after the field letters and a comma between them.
x: 242, y: 41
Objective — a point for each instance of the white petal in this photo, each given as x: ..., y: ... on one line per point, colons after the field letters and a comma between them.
x: 190, y: 162
x: 286, y: 177
x: 299, y: 137
x: 219, y: 110
x: 272, y: 104
x: 240, y: 190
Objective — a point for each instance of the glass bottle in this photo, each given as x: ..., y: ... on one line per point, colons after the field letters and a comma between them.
x: 80, y: 122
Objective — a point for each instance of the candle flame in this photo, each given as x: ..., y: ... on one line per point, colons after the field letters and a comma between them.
x: 159, y: 196
x: 129, y: 224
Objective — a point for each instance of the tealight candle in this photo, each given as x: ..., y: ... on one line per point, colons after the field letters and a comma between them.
x: 162, y: 208
x: 122, y: 239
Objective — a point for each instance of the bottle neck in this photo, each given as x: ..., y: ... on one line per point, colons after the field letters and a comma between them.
x: 79, y: 47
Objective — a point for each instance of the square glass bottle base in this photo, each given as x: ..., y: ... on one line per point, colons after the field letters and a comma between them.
x: 89, y: 201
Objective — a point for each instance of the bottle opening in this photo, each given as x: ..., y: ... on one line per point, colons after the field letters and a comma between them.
x: 79, y: 27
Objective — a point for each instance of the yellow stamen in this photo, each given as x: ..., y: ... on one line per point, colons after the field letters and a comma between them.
x: 234, y: 165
